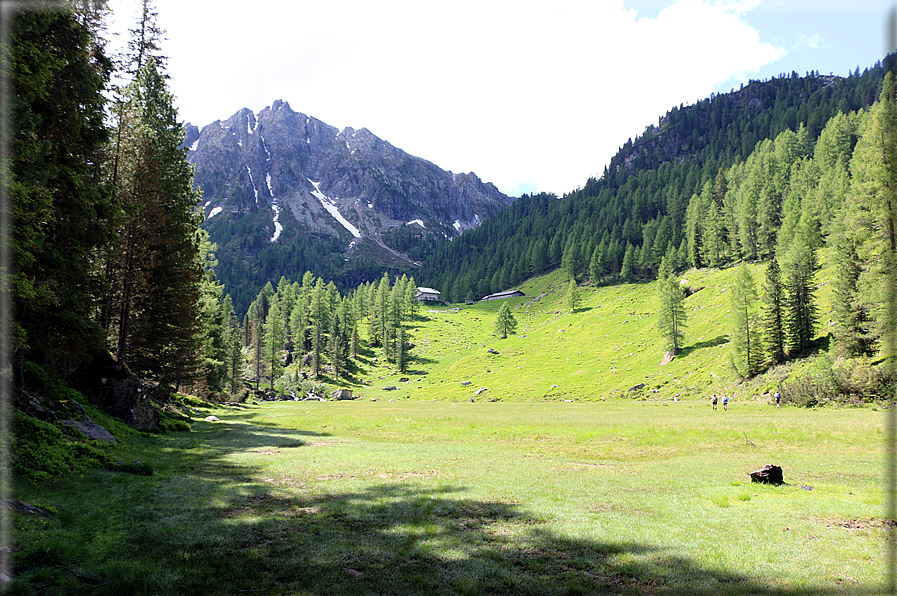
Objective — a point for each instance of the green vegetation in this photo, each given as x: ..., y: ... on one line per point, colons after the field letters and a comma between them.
x: 602, y: 460
x: 627, y: 497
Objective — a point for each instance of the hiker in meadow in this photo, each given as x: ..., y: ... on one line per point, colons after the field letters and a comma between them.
x: 726, y: 402
x: 778, y: 397
x: 714, y: 402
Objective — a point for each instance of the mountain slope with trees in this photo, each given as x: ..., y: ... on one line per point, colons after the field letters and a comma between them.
x: 644, y: 203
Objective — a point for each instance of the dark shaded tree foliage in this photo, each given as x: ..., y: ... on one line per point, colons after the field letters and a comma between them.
x: 62, y: 208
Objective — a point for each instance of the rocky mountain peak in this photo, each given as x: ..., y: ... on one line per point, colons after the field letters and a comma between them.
x: 287, y: 171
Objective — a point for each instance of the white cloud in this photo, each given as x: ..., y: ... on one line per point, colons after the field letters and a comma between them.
x: 521, y: 92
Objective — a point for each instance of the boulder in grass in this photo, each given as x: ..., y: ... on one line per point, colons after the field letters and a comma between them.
x: 342, y: 395
x: 90, y: 429
x: 768, y: 474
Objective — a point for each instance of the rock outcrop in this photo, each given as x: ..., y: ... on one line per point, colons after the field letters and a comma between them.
x: 120, y: 393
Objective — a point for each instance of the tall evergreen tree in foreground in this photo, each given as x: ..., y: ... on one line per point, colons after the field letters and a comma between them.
x: 62, y: 209
x: 153, y: 309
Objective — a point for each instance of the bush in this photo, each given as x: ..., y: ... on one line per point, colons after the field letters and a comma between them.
x: 863, y: 382
x: 821, y: 381
x: 813, y: 384
x: 190, y: 400
x: 174, y: 425
x: 40, y: 451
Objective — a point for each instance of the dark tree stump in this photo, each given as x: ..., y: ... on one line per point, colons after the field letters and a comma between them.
x: 769, y: 474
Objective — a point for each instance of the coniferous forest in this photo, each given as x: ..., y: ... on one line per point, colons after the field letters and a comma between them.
x: 112, y: 269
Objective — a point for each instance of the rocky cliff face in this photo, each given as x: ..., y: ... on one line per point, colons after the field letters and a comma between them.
x: 285, y: 169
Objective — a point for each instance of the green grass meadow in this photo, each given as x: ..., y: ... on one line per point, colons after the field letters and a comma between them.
x: 556, y: 478
x: 408, y: 497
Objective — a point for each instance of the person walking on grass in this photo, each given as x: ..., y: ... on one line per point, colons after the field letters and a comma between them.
x: 725, y: 402
x: 778, y: 397
x: 714, y: 402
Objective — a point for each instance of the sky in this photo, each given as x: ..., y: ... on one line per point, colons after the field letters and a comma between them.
x: 531, y: 96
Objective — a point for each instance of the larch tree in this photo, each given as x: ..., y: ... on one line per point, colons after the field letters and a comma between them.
x: 571, y: 296
x: 870, y: 210
x: 747, y: 351
x: 275, y: 338
x: 505, y: 323
x: 671, y: 318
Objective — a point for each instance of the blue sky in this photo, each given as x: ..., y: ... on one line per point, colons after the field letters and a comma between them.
x: 532, y: 96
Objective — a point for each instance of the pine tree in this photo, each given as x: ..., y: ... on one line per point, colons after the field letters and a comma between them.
x: 256, y: 343
x: 870, y: 211
x: 505, y: 323
x: 400, y: 349
x: 334, y: 345
x: 318, y: 318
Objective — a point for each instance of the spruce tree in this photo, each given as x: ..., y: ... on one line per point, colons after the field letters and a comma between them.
x: 595, y: 265
x: 234, y: 345
x: 773, y: 317
x: 852, y: 314
x: 60, y: 206
x: 800, y: 318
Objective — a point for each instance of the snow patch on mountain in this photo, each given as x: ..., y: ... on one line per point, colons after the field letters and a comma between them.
x: 252, y: 182
x: 278, y: 227
x: 331, y: 208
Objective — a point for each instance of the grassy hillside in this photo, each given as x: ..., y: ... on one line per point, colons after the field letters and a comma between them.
x: 604, y: 349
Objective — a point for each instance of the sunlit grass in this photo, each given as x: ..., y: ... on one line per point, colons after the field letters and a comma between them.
x: 459, y: 497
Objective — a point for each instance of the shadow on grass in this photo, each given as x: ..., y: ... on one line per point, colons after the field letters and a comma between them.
x: 210, y: 526
x: 709, y: 343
